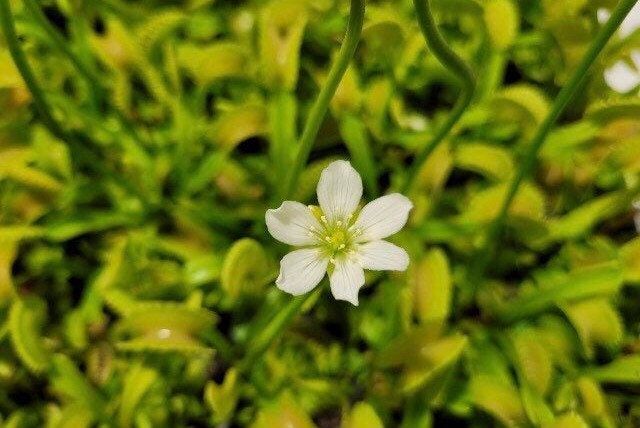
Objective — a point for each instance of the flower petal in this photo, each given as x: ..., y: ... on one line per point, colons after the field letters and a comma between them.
x: 621, y: 77
x: 292, y: 224
x: 383, y: 255
x: 346, y: 280
x: 301, y: 271
x: 631, y: 22
x: 382, y: 217
x: 339, y: 190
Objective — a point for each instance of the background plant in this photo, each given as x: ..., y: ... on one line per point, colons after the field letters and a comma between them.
x: 141, y: 143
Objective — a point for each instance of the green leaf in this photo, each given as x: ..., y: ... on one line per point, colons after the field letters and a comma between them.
x: 529, y: 203
x: 427, y: 360
x: 502, y: 20
x: 363, y: 415
x: 597, y: 323
x: 283, y: 413
x: 202, y: 269
x: 432, y: 288
x: 600, y: 280
x: 71, y: 384
x: 569, y: 420
x: 246, y: 268
x: 207, y: 64
x: 238, y: 124
x: 282, y: 25
x: 8, y: 253
x: 630, y: 258
x: 522, y: 103
x: 26, y: 319
x: 581, y: 220
x: 500, y: 400
x: 222, y: 399
x: 491, y: 161
x: 137, y: 382
x: 624, y: 371
x: 532, y: 360
x: 165, y: 327
x: 75, y: 416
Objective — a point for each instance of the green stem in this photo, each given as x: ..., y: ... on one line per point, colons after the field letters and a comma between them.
x: 275, y: 327
x: 43, y: 108
x: 453, y: 63
x: 567, y: 93
x: 319, y: 109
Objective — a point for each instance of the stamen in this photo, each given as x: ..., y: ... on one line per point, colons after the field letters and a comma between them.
x: 341, y: 246
x: 339, y: 223
x: 327, y: 238
x: 332, y: 261
x: 323, y: 218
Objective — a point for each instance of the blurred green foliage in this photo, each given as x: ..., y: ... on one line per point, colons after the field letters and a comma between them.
x: 136, y: 271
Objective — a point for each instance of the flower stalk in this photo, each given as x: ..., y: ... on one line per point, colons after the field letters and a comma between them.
x: 319, y: 109
x: 458, y: 67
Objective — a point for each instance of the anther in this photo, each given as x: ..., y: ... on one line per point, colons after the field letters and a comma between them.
x: 323, y: 218
x: 328, y: 239
x: 339, y: 223
x: 341, y: 246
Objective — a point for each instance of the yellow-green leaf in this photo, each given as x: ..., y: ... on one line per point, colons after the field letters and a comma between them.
x: 491, y: 161
x: 597, y: 323
x: 363, y: 416
x: 432, y: 288
x: 26, y: 319
x: 502, y: 20
x: 246, y: 268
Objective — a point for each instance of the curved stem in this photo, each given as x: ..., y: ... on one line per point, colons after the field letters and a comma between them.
x: 563, y: 99
x: 453, y: 63
x: 275, y: 327
x: 9, y: 31
x: 319, y: 109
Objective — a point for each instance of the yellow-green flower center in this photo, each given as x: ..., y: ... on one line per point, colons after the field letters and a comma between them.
x: 337, y: 240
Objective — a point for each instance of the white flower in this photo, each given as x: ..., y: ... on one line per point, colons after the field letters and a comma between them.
x: 335, y: 239
x: 622, y: 77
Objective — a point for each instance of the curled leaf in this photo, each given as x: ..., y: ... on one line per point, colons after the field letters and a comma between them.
x: 26, y: 319
x: 246, y: 268
x: 222, y: 399
x: 282, y: 27
x: 502, y: 20
x: 432, y: 288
